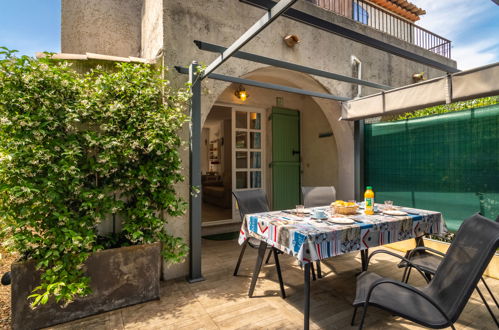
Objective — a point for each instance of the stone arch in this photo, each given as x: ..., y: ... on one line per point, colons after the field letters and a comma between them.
x: 215, y: 91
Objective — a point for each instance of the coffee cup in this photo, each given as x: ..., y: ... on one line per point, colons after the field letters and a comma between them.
x: 320, y: 214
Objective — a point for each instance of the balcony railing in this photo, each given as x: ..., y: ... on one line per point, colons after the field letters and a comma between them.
x: 383, y: 20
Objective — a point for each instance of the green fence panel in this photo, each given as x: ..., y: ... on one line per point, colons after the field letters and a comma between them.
x: 447, y: 163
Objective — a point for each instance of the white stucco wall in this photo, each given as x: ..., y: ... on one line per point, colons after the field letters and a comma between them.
x: 152, y: 28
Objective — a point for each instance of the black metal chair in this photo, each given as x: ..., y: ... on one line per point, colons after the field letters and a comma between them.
x: 438, y: 304
x: 255, y: 201
x: 428, y: 260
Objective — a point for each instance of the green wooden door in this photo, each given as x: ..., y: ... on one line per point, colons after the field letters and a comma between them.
x: 285, y: 158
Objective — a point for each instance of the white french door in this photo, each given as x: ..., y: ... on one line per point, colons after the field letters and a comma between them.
x: 248, y: 151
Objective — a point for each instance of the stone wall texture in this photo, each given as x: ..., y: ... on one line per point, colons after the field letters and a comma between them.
x: 110, y: 27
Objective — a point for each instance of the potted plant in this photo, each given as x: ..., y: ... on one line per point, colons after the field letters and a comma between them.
x: 77, y: 149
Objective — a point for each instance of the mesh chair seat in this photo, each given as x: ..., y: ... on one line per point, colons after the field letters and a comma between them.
x: 318, y: 196
x: 397, y: 300
x: 428, y: 262
x: 440, y: 303
x: 251, y: 201
x: 255, y: 201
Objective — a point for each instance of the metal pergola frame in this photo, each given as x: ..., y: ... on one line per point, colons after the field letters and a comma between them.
x: 195, y: 78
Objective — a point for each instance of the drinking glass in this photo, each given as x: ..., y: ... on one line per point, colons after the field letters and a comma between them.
x: 388, y: 205
x: 300, y: 210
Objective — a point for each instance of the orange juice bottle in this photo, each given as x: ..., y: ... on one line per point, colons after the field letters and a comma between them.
x: 369, y: 200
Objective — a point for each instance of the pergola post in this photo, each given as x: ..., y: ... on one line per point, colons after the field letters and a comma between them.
x: 359, y: 159
x: 195, y: 176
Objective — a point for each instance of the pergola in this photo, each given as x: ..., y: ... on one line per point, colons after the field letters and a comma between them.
x: 409, y: 98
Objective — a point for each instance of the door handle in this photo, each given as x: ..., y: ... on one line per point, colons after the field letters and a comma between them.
x: 295, y: 152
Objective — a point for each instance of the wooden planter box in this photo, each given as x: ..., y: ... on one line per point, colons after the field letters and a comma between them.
x: 119, y: 277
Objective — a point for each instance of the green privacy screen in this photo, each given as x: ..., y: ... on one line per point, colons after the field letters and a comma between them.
x: 447, y: 163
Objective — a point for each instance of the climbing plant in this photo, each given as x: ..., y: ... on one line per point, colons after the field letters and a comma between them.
x: 440, y: 109
x: 76, y: 148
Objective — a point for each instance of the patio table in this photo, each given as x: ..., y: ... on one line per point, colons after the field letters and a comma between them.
x: 310, y: 240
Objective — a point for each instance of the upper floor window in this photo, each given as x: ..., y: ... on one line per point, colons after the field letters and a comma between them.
x: 359, y: 13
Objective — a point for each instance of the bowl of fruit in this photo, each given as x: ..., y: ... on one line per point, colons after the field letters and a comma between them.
x: 342, y: 207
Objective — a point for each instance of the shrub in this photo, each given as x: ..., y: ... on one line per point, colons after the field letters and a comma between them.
x: 75, y: 148
x: 445, y: 108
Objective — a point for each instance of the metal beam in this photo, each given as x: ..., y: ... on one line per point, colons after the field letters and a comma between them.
x: 195, y: 176
x: 273, y: 12
x: 319, y: 23
x: 268, y: 85
x: 286, y: 65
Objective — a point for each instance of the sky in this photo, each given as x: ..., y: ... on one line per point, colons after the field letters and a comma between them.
x: 472, y: 25
x: 30, y: 26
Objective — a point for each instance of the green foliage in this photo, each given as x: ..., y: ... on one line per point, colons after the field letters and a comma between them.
x: 76, y: 148
x: 439, y: 109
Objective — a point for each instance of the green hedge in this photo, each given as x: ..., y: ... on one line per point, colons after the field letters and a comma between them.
x: 76, y: 148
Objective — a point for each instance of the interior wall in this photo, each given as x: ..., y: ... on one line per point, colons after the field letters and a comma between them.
x: 226, y: 156
x: 215, y: 132
x: 217, y: 128
x: 205, y: 140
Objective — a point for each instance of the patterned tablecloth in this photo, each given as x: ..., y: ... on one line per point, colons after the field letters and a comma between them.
x: 309, y: 239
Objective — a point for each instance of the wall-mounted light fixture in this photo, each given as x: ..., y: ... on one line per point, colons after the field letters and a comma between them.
x: 291, y: 40
x: 417, y: 77
x: 241, y: 93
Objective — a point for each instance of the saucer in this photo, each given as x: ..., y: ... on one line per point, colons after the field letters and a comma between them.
x: 394, y: 212
x: 343, y: 221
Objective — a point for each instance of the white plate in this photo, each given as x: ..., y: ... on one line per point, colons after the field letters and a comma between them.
x: 394, y: 212
x: 308, y: 212
x: 343, y: 221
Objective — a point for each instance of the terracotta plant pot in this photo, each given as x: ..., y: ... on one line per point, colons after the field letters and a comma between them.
x: 119, y: 277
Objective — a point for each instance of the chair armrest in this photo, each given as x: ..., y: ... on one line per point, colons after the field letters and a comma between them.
x: 424, y: 248
x: 407, y: 287
x: 395, y: 255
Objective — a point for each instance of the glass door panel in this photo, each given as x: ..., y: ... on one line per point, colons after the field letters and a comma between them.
x: 255, y: 120
x: 255, y: 160
x: 241, y: 119
x: 256, y: 179
x: 241, y: 180
x: 255, y: 140
x: 248, y: 151
x: 241, y: 140
x: 241, y: 160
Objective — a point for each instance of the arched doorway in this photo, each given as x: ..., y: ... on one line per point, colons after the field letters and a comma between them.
x: 325, y: 145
